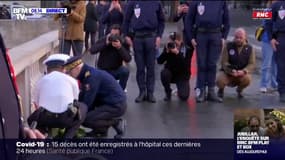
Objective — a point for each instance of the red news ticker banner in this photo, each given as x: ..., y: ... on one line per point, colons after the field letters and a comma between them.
x: 261, y: 14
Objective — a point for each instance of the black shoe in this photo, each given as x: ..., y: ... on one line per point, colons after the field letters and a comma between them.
x: 141, y: 97
x: 120, y: 128
x: 221, y: 93
x: 167, y: 97
x: 200, y: 95
x: 239, y: 94
x: 213, y: 97
x: 282, y: 98
x: 151, y: 98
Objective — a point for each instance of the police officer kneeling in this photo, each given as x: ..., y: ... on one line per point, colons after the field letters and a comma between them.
x: 56, y: 96
x: 103, y: 95
x: 238, y: 61
x: 176, y: 69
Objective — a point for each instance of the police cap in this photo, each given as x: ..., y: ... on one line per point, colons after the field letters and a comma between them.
x: 57, y: 59
x: 73, y: 62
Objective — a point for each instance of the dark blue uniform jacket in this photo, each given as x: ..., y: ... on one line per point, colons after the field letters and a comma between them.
x: 151, y: 17
x: 215, y: 15
x: 99, y: 87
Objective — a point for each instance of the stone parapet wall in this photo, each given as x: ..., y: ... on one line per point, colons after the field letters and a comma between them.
x: 16, y: 32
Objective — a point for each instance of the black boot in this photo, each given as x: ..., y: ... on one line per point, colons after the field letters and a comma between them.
x: 151, y: 98
x: 212, y: 95
x: 120, y: 127
x: 141, y: 97
x: 221, y: 93
x: 201, y: 96
x: 239, y: 93
x: 167, y: 96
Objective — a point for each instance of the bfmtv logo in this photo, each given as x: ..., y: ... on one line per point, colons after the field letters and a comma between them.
x: 261, y: 14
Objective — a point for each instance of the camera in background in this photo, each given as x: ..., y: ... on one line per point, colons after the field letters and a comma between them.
x: 114, y: 38
x: 171, y: 45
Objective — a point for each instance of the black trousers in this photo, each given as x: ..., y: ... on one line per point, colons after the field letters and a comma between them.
x: 92, y: 37
x: 183, y: 88
x: 103, y: 116
x: 67, y: 120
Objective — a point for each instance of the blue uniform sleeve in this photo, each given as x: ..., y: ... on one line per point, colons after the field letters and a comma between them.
x: 161, y: 21
x: 190, y: 21
x: 91, y: 89
x: 269, y: 23
x: 127, y: 19
x: 226, y: 21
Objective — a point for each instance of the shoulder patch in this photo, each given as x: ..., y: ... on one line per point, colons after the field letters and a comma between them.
x: 87, y: 74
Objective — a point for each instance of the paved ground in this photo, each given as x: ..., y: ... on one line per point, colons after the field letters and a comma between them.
x: 188, y: 120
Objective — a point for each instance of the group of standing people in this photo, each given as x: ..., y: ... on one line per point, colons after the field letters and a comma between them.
x: 88, y: 19
x: 142, y: 26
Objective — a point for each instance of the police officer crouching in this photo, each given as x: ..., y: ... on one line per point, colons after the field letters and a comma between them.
x: 56, y: 96
x: 103, y: 95
x: 176, y: 69
x: 238, y: 62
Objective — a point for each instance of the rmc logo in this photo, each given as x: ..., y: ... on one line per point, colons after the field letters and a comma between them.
x: 261, y: 14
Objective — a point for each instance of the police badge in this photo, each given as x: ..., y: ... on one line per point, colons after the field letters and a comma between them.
x: 137, y: 11
x: 201, y: 8
x: 281, y: 13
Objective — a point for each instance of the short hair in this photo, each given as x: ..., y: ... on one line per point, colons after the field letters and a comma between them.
x: 116, y: 26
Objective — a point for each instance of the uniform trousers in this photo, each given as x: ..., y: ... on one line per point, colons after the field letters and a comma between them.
x: 279, y: 56
x: 103, y: 116
x: 209, y: 46
x: 145, y: 51
x: 67, y: 119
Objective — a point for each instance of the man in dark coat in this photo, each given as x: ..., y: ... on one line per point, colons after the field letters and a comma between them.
x: 90, y: 24
x: 113, y: 53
